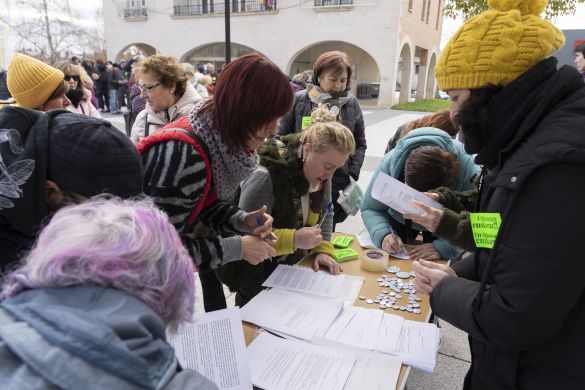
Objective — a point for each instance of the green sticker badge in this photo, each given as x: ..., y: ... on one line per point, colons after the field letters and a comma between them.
x: 305, y: 122
x: 342, y: 241
x: 485, y: 227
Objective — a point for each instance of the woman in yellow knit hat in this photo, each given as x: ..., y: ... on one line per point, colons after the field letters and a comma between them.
x: 521, y: 295
x: 36, y: 85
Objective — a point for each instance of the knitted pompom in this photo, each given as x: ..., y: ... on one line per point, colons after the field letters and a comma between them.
x: 526, y: 7
x: 322, y: 114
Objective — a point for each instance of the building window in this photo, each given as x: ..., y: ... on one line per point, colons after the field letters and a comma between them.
x: 410, y: 5
x: 428, y: 11
x: 438, y: 15
x: 424, y: 8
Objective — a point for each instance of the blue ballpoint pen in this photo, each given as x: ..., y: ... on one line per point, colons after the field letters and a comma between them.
x: 329, y: 207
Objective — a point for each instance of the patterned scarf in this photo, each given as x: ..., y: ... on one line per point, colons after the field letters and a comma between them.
x: 229, y: 168
x: 319, y: 97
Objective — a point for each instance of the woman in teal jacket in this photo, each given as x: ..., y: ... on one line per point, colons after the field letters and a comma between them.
x: 425, y: 158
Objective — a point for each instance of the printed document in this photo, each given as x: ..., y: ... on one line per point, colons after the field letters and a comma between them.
x: 291, y: 313
x: 389, y: 334
x: 214, y: 346
x: 357, y: 327
x: 279, y: 364
x: 395, y: 194
x: 419, y: 344
x: 372, y: 371
x: 305, y: 280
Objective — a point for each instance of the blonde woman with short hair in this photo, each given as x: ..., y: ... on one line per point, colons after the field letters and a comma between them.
x: 294, y: 182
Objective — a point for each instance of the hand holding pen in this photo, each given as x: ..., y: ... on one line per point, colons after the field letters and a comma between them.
x: 260, y: 223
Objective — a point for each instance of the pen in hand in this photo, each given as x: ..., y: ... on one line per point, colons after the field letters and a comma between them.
x: 329, y: 207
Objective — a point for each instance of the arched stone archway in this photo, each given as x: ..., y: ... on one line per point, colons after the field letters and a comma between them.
x: 136, y: 48
x: 365, y: 69
x: 214, y: 53
x: 431, y: 82
x: 405, y: 70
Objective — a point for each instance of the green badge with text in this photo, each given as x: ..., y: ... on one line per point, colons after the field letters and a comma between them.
x: 305, y: 122
x: 485, y: 227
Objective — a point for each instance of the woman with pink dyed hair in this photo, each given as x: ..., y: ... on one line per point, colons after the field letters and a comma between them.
x: 89, y: 305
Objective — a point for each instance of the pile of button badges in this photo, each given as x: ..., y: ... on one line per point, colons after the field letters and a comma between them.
x: 389, y: 299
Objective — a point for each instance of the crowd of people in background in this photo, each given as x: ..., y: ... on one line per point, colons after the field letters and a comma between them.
x: 101, y: 232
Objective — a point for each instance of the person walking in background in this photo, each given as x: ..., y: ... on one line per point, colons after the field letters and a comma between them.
x: 169, y: 95
x: 523, y: 118
x: 192, y: 169
x: 330, y: 85
x: 89, y: 306
x: 36, y: 85
x: 101, y: 85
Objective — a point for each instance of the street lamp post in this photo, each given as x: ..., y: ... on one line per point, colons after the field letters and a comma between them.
x: 228, y: 49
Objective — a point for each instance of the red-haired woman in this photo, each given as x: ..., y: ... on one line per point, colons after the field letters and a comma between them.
x: 251, y: 93
x: 330, y: 85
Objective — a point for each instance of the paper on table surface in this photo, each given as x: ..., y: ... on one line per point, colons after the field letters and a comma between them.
x: 360, y: 331
x: 279, y: 364
x: 372, y: 371
x: 305, y: 280
x: 389, y: 334
x: 403, y: 254
x: 291, y: 313
x: 419, y: 344
x: 214, y: 346
x: 397, y: 195
x: 365, y: 240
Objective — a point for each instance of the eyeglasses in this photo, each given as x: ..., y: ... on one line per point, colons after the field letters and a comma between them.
x: 69, y: 77
x: 147, y: 88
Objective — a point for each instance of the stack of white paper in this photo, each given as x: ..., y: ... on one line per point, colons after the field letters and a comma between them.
x: 280, y: 364
x: 419, y: 345
x: 357, y: 327
x: 214, y: 347
x: 415, y: 343
x: 372, y: 371
x: 291, y: 313
x: 305, y: 280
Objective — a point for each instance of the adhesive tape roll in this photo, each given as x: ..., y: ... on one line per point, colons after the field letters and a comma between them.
x: 374, y: 260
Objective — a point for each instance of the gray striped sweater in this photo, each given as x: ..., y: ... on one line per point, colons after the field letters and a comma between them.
x: 175, y: 177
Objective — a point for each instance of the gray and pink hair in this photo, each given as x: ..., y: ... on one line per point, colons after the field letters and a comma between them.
x: 128, y: 245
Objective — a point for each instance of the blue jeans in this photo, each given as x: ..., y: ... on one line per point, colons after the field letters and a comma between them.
x: 113, y: 97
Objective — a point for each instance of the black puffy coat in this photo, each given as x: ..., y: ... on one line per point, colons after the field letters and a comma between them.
x: 523, y: 302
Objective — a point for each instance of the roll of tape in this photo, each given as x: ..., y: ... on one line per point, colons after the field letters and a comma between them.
x: 374, y: 260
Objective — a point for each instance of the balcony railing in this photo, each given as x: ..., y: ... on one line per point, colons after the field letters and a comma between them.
x: 219, y: 8
x: 130, y: 13
x: 327, y: 3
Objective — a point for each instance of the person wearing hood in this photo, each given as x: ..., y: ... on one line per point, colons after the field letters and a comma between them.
x: 424, y: 159
x: 523, y: 117
x: 50, y: 160
x: 169, y: 95
x: 330, y: 85
x: 89, y: 306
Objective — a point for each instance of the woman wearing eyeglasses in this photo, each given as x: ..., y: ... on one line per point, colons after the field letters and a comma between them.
x: 165, y: 86
x: 78, y: 94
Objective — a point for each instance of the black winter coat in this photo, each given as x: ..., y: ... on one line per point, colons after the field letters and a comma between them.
x: 526, y: 321
x: 352, y: 118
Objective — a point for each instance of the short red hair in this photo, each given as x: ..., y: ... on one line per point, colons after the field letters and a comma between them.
x: 250, y: 93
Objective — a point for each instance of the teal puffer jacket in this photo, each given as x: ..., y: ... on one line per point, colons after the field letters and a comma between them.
x: 376, y: 214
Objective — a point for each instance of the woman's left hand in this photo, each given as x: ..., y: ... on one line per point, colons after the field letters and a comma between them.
x: 327, y: 261
x: 424, y: 251
x: 263, y: 229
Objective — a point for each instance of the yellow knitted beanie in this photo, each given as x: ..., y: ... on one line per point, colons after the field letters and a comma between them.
x: 498, y: 45
x: 31, y: 82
